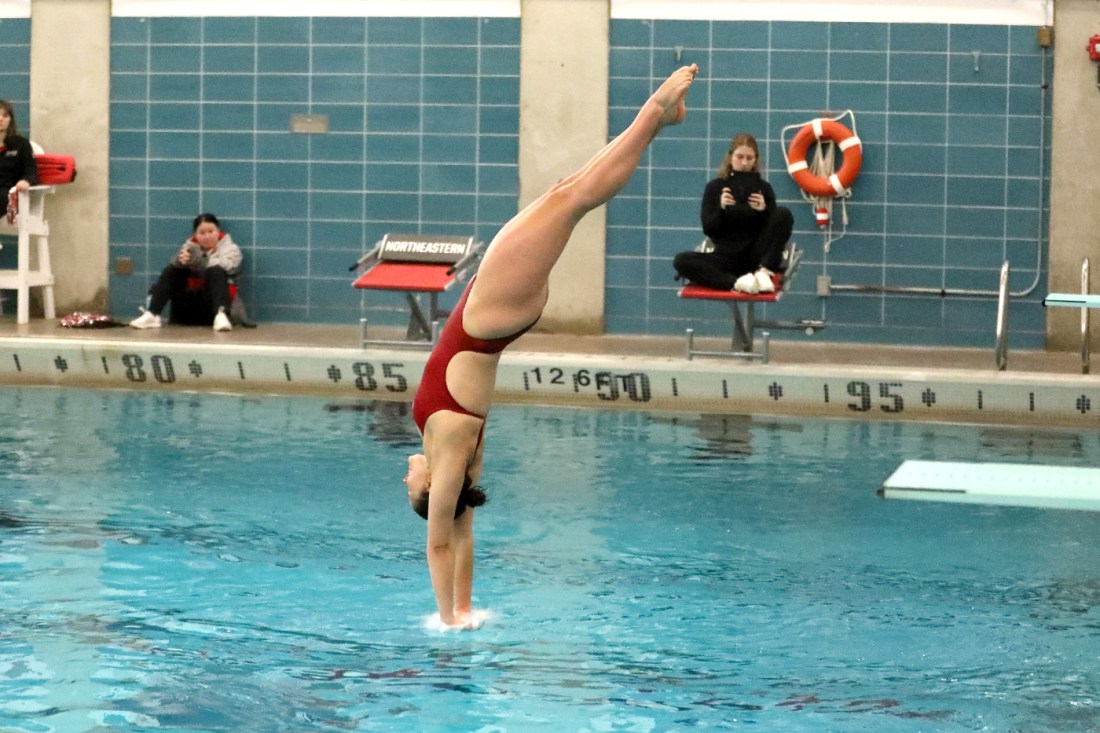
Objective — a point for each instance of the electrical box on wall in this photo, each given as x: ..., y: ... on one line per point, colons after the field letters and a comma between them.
x: 309, y: 124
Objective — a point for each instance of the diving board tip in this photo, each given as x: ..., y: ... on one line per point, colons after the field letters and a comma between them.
x: 1006, y: 484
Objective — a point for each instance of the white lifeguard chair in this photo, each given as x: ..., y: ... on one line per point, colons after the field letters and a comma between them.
x: 33, y: 264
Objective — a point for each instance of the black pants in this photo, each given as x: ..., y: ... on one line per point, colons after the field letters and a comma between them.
x: 195, y: 296
x: 730, y: 260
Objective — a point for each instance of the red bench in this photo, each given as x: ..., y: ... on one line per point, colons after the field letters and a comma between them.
x: 744, y: 323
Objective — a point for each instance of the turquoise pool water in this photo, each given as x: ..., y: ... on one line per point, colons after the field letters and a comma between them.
x: 181, y: 562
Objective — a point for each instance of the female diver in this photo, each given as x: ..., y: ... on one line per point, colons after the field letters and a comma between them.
x: 501, y: 302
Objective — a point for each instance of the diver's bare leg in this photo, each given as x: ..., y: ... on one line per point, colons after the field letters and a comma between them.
x: 512, y: 281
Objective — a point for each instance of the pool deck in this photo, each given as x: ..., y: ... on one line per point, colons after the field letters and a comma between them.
x: 816, y: 377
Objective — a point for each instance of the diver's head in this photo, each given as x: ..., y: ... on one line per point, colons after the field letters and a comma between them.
x: 418, y: 481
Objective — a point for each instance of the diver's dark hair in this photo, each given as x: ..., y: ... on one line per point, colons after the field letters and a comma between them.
x: 206, y: 218
x: 470, y: 496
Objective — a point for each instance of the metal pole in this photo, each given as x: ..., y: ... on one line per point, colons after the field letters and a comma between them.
x: 1002, y: 320
x: 1085, y: 318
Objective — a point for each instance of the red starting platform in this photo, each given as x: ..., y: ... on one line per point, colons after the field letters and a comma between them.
x: 418, y: 265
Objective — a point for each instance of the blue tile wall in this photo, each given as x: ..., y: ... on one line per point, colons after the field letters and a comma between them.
x: 423, y: 120
x: 15, y: 60
x: 955, y: 131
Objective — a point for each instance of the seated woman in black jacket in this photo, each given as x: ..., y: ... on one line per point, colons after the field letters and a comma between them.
x: 18, y: 169
x: 741, y: 219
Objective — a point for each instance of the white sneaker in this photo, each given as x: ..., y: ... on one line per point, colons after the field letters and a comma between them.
x: 221, y: 321
x: 747, y: 284
x: 147, y: 319
x: 764, y: 282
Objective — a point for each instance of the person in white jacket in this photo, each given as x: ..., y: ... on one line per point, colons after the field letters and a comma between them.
x: 197, y: 281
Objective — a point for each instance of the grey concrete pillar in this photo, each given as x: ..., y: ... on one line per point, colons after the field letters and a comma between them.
x: 1075, y: 168
x: 70, y: 114
x: 564, y: 48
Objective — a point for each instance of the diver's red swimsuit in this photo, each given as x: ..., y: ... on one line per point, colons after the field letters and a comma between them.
x: 432, y: 395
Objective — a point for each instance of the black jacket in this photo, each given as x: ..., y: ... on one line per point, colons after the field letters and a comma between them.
x: 17, y: 163
x: 739, y: 222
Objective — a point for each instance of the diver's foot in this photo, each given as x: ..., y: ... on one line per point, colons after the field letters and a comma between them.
x: 671, y: 94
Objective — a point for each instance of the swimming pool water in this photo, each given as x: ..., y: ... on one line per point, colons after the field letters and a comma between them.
x: 181, y: 562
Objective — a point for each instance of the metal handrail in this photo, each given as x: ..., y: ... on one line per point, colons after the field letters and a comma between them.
x: 1085, y: 317
x: 1040, y: 225
x: 1002, y: 320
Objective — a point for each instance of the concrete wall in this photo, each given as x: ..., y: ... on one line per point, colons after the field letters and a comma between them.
x: 70, y: 94
x: 563, y: 122
x: 1075, y: 166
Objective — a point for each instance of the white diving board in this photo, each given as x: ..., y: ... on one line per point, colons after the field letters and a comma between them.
x: 1072, y: 300
x: 1006, y: 484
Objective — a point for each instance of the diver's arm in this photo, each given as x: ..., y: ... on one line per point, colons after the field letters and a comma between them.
x: 463, y: 541
x: 447, y: 477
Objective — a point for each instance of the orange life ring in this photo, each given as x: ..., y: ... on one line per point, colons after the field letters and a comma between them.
x: 838, y: 183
